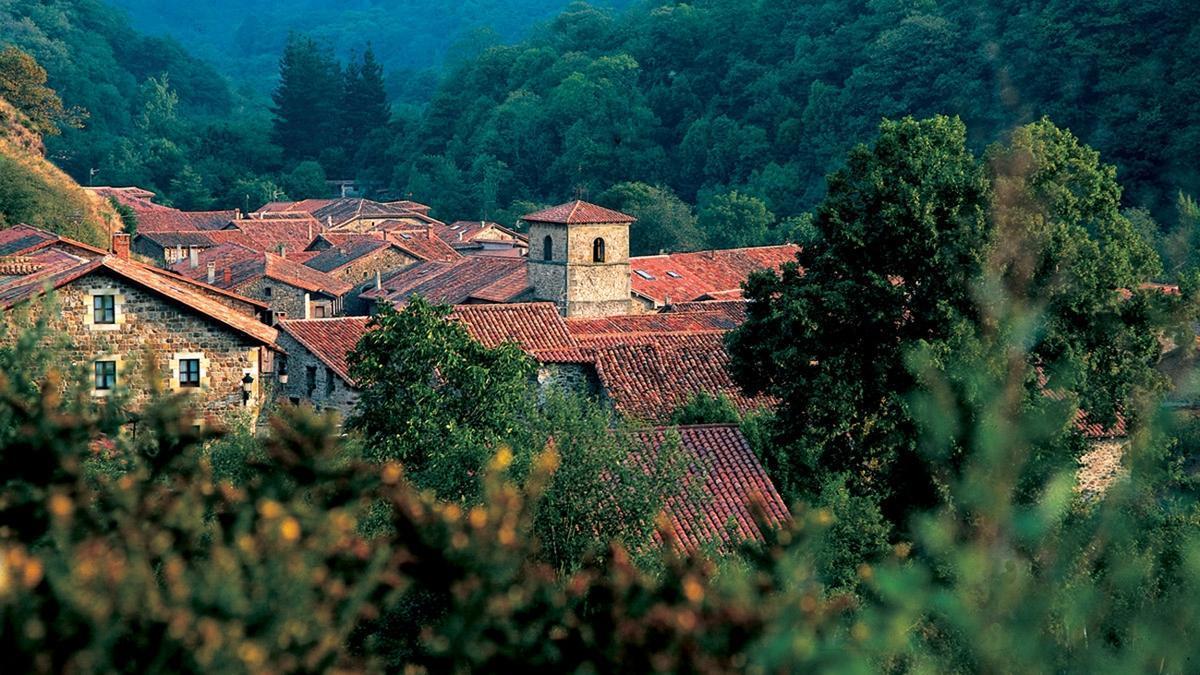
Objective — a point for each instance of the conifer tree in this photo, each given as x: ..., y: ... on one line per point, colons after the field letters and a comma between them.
x: 364, y: 106
x: 306, y: 101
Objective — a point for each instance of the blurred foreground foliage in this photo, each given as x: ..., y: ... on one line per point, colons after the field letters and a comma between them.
x: 169, y: 549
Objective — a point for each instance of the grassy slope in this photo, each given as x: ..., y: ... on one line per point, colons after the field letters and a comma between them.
x: 34, y: 191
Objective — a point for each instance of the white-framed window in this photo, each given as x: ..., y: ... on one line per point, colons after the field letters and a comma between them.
x: 189, y: 372
x: 104, y: 309
x: 106, y: 374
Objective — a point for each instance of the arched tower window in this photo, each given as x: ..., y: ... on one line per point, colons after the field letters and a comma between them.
x: 548, y: 248
x: 598, y: 250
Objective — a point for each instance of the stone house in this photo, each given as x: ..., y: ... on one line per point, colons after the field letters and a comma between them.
x: 316, y: 369
x: 133, y: 328
x: 352, y: 214
x: 362, y: 260
x: 288, y: 287
x: 481, y: 237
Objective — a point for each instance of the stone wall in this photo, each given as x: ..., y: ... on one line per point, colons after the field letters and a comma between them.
x: 284, y: 297
x: 598, y: 289
x: 151, y: 335
x: 301, y: 362
x: 577, y: 378
x: 361, y: 273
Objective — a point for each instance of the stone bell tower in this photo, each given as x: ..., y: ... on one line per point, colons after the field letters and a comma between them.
x: 579, y: 259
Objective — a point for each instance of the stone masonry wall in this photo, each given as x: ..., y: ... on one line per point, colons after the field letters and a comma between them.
x: 285, y: 297
x: 299, y: 360
x: 150, y: 336
x: 361, y: 273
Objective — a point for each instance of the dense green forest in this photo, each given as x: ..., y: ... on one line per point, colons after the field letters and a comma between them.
x: 412, y: 37
x: 765, y: 98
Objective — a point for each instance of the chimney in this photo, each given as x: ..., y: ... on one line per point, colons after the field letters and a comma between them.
x: 378, y: 280
x: 120, y: 245
x: 283, y: 250
x: 329, y: 220
x: 212, y: 273
x: 194, y: 257
x: 228, y: 277
x: 307, y: 306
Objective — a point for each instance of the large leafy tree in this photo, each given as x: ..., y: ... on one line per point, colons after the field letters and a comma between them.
x: 23, y: 84
x: 435, y: 399
x: 918, y: 249
x: 903, y: 237
x: 664, y: 221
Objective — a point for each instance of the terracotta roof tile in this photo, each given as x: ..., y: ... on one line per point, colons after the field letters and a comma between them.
x: 604, y: 330
x: 724, y: 478
x: 684, y: 277
x: 345, y: 249
x: 535, y: 327
x: 20, y: 239
x: 424, y: 245
x: 578, y: 213
x: 335, y: 213
x: 651, y: 376
x: 465, y: 232
x: 246, y: 265
x: 171, y: 220
x: 293, y: 231
x: 178, y: 290
x: 455, y: 283
x: 330, y: 340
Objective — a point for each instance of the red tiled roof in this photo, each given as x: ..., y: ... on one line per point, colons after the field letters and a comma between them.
x: 335, y: 213
x: 135, y: 198
x: 330, y: 340
x: 170, y: 220
x: 724, y: 478
x: 684, y: 277
x: 535, y: 327
x: 424, y: 246
x: 181, y: 291
x: 294, y: 231
x: 734, y: 310
x: 628, y: 328
x: 246, y: 265
x: 345, y: 249
x: 651, y: 377
x: 21, y: 239
x: 455, y: 283
x: 464, y: 232
x: 578, y: 213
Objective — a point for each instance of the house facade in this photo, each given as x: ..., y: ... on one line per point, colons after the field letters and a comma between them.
x: 133, y: 330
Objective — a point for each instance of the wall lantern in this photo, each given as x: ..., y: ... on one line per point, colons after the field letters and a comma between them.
x: 247, y: 384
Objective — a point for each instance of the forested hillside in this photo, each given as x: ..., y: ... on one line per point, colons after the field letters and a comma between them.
x: 147, y: 113
x: 411, y: 37
x: 764, y: 98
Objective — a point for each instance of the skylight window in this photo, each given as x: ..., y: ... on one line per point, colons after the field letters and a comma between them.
x: 645, y: 275
x: 675, y: 275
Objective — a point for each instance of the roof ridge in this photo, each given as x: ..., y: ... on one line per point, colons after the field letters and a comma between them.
x: 710, y: 425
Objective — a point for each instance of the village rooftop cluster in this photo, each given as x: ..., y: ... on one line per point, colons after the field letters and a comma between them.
x: 239, y: 310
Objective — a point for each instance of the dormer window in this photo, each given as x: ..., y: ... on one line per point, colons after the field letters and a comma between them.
x: 548, y: 248
x: 598, y: 250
